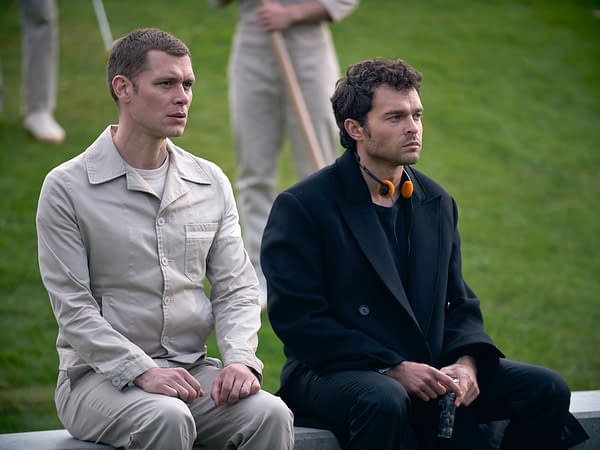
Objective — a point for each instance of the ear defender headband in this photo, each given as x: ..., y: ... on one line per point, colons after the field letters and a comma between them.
x: 385, y: 187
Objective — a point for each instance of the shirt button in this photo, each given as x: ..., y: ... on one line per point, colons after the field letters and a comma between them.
x: 167, y: 300
x: 164, y: 340
x: 364, y: 310
x: 116, y: 381
x: 161, y: 221
x: 164, y: 261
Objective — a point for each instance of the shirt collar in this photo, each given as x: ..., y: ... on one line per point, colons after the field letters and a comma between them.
x: 104, y: 163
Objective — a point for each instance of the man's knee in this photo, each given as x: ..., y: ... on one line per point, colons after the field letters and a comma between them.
x: 273, y: 411
x: 267, y: 423
x: 381, y: 418
x: 554, y: 390
x: 175, y: 413
x: 171, y: 417
x: 392, y: 404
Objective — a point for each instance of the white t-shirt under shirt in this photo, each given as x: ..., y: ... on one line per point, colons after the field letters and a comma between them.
x: 156, y: 177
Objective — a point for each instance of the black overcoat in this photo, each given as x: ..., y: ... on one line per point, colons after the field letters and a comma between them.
x: 335, y: 297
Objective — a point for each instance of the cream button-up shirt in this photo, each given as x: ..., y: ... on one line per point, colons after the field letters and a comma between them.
x: 125, y: 270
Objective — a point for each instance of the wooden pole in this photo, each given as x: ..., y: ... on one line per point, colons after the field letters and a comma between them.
x: 293, y: 88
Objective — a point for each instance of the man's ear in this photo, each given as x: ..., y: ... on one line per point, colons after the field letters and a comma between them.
x: 122, y: 87
x: 354, y: 129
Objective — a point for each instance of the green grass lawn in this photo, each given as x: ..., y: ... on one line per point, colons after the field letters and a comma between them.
x: 512, y: 129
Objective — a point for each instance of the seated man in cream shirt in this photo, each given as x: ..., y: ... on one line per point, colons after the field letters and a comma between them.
x: 127, y: 233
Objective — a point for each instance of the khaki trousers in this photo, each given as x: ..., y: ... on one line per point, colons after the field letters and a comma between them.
x: 40, y: 54
x: 92, y: 409
x: 263, y: 116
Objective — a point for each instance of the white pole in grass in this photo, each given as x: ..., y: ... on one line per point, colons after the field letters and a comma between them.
x: 104, y: 26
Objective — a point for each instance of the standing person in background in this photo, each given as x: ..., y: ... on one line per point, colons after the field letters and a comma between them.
x: 40, y: 69
x: 127, y: 233
x: 260, y: 109
x: 366, y: 291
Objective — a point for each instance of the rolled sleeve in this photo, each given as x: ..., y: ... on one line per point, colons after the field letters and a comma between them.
x: 339, y: 9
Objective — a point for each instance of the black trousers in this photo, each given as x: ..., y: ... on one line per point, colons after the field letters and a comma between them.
x: 367, y: 410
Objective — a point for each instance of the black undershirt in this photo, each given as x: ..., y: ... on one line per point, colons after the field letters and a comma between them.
x: 394, y: 221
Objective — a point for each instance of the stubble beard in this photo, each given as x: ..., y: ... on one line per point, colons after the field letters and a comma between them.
x: 410, y: 159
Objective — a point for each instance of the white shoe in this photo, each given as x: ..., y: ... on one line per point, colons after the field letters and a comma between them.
x: 44, y: 128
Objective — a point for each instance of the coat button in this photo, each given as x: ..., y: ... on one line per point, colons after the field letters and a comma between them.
x: 364, y: 310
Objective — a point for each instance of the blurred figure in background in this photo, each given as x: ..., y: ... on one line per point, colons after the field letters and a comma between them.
x: 261, y: 111
x: 40, y: 67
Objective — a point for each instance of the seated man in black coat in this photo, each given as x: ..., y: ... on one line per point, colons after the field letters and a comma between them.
x: 365, y: 289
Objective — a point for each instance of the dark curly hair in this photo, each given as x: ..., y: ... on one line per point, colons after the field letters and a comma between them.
x: 353, y: 95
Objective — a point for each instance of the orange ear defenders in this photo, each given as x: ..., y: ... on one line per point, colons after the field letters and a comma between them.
x: 386, y: 188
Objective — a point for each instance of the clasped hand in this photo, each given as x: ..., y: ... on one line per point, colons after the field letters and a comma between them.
x: 427, y: 383
x: 234, y: 382
x: 272, y: 16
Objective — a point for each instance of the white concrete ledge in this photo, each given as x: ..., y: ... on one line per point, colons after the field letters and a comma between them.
x: 306, y: 439
x: 585, y: 405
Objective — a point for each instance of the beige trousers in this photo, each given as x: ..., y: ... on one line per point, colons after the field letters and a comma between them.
x: 40, y: 54
x: 263, y: 116
x: 92, y: 409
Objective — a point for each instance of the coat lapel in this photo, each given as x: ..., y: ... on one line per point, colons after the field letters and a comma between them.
x: 424, y: 264
x: 359, y: 214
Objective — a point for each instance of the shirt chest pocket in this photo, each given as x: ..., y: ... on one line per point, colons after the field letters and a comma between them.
x: 198, y: 241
